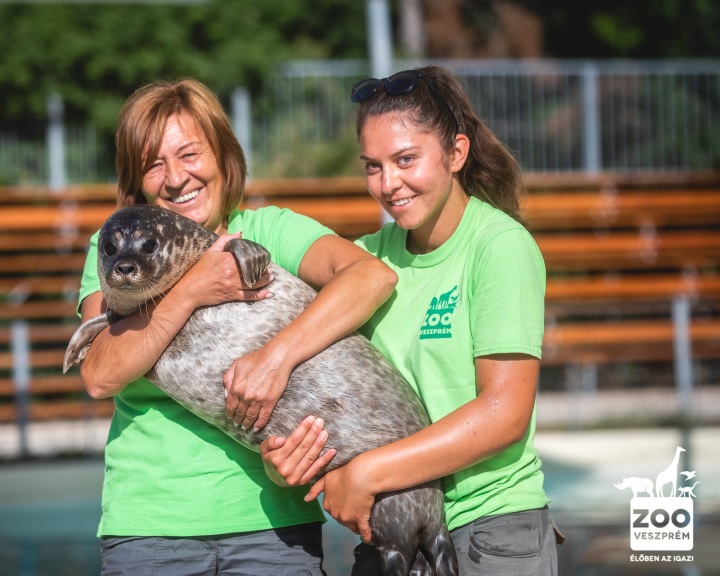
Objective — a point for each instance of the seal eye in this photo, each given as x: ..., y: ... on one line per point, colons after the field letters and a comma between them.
x: 149, y: 246
x: 110, y: 249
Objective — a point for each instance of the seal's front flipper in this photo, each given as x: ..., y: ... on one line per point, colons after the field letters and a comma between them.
x: 83, y: 337
x: 252, y: 257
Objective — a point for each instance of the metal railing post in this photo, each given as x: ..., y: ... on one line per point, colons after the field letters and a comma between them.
x: 56, y: 141
x: 682, y: 346
x: 21, y: 379
x: 380, y: 47
x: 242, y: 123
x: 591, y: 118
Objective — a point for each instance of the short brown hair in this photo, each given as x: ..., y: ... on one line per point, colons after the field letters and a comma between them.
x: 140, y: 129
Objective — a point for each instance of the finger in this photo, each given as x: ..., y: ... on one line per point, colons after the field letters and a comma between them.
x: 231, y: 401
x: 311, y: 446
x: 301, y: 439
x: 364, y: 531
x: 253, y: 295
x: 241, y: 409
x: 349, y: 525
x: 315, y: 490
x: 263, y: 418
x: 250, y: 417
x: 231, y: 404
x: 219, y: 244
x: 303, y: 447
x: 271, y: 444
x: 296, y: 436
x: 306, y: 457
x: 318, y: 465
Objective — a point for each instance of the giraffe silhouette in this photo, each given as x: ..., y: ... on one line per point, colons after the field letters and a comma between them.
x: 668, y: 476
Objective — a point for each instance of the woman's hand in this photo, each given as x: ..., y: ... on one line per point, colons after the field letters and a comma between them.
x: 347, y: 498
x: 254, y: 384
x: 297, y: 459
x: 215, y: 278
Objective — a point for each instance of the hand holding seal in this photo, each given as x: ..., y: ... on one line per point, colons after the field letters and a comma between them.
x: 216, y: 277
x: 253, y: 385
x: 347, y: 499
x: 297, y: 459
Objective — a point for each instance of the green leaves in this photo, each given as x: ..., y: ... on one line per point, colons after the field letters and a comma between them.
x: 95, y: 55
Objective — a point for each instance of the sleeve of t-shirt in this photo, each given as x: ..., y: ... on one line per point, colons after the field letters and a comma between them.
x: 507, y: 304
x: 287, y: 235
x: 90, y: 282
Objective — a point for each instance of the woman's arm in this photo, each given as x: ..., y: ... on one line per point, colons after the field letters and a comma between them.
x: 352, y: 283
x: 497, y: 418
x: 130, y: 347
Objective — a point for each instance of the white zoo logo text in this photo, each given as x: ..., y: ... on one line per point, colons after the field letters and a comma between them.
x: 661, y: 510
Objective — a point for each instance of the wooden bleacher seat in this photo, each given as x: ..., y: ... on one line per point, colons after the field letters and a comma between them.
x: 619, y: 251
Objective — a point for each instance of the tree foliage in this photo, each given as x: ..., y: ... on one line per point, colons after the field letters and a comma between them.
x: 628, y: 29
x: 95, y: 55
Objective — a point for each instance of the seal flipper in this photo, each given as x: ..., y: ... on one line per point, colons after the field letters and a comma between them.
x: 252, y: 257
x: 83, y: 337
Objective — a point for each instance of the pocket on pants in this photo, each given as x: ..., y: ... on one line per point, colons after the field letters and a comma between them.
x: 518, y: 535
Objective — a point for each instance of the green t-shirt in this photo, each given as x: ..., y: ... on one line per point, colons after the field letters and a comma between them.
x: 167, y: 472
x: 479, y: 293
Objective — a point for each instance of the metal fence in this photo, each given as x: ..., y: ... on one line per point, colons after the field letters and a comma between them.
x: 555, y: 116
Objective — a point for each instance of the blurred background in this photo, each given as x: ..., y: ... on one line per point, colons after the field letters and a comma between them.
x: 612, y: 108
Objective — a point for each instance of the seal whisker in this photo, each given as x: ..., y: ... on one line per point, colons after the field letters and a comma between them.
x: 146, y: 309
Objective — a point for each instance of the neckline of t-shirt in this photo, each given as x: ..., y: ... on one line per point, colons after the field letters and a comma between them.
x: 448, y: 248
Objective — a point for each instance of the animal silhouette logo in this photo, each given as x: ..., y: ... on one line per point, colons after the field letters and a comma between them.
x: 667, y: 477
x: 438, y: 318
x: 661, y: 509
x: 637, y: 485
x: 688, y: 490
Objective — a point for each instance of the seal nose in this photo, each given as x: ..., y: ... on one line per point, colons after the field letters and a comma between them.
x: 125, y: 269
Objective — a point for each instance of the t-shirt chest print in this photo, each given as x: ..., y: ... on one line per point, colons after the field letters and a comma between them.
x: 438, y: 318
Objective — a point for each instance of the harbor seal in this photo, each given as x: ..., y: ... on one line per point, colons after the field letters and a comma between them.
x: 364, y: 401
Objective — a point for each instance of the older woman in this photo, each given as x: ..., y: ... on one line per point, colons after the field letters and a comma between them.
x: 180, y: 497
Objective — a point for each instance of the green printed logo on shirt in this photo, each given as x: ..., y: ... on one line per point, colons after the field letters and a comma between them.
x: 438, y: 318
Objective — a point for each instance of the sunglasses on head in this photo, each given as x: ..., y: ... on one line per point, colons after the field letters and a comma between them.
x: 399, y: 83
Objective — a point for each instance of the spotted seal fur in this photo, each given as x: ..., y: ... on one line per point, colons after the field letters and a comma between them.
x: 364, y: 401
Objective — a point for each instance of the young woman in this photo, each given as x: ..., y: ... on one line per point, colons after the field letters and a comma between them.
x: 464, y: 326
x: 179, y: 496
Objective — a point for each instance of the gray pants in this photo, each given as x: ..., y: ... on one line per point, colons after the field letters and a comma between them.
x: 291, y: 551
x: 523, y: 543
x: 509, y: 545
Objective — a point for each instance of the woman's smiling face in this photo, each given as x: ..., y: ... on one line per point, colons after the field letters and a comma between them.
x: 412, y: 177
x: 185, y: 176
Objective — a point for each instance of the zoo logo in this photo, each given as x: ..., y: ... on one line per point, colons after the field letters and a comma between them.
x: 439, y: 316
x: 659, y: 521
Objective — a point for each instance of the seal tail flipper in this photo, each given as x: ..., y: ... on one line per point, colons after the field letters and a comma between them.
x: 439, y: 547
x: 252, y: 257
x: 82, y: 338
